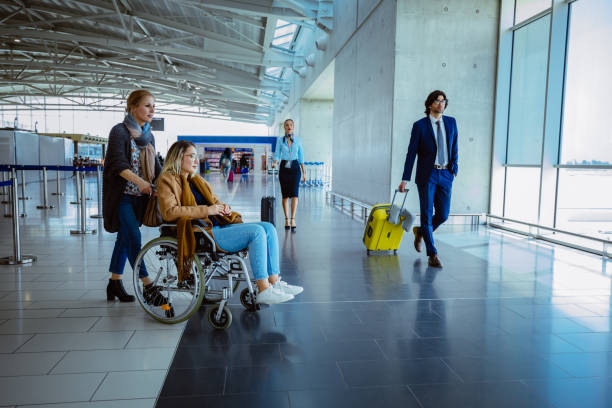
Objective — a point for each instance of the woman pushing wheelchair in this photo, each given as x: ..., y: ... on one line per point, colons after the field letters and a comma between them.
x: 184, y: 196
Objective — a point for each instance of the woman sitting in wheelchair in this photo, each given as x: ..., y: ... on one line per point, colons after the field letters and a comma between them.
x: 184, y: 196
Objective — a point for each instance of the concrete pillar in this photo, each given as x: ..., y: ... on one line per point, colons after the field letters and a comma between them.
x: 316, y: 129
x: 451, y: 46
x: 363, y: 105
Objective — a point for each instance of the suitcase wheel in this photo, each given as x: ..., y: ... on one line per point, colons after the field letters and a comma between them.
x: 368, y: 252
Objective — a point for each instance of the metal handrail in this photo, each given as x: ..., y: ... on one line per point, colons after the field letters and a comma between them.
x: 367, y: 207
x: 605, y: 242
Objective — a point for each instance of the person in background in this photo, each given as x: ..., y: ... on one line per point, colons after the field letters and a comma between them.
x: 131, y: 167
x: 225, y: 162
x: 290, y: 153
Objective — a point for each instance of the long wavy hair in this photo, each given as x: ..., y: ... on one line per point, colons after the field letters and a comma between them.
x: 174, y: 158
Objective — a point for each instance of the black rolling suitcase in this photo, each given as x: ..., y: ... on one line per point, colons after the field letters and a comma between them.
x: 268, y: 205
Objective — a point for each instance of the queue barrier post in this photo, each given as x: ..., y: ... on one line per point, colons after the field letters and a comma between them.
x: 8, y: 204
x: 23, y: 183
x: 44, y: 204
x: 4, y: 190
x: 99, y: 185
x: 23, y: 194
x: 58, y: 190
x: 17, y: 258
x: 77, y: 188
x: 83, y: 209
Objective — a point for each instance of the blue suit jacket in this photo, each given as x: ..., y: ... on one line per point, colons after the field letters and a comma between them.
x: 423, y: 144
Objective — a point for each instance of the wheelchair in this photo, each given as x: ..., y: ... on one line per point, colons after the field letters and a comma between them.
x: 215, y: 276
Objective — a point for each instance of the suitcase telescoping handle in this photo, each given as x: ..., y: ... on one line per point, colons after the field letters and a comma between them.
x: 401, y: 192
x: 394, y: 212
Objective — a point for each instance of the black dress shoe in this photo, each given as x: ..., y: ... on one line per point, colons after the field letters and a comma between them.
x: 434, y: 261
x: 293, y: 227
x: 418, y: 239
x: 153, y: 296
x: 115, y: 289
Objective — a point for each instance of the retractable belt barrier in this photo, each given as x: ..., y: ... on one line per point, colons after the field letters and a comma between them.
x: 79, y: 188
x: 17, y: 257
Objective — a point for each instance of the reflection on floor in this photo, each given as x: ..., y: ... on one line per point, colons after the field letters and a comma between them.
x: 508, y: 322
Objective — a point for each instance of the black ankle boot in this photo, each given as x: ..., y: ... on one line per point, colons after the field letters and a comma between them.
x: 115, y: 289
x: 153, y: 296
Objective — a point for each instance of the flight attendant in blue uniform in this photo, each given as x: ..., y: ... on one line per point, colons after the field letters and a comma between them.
x: 434, y: 141
x: 290, y: 153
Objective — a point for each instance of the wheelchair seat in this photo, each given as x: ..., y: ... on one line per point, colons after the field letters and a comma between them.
x: 204, y: 242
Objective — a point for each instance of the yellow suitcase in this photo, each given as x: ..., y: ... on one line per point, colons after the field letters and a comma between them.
x: 380, y: 234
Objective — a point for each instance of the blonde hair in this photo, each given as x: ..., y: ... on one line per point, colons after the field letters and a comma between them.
x: 135, y: 97
x: 174, y: 158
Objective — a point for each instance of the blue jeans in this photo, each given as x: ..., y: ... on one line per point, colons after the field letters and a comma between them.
x: 128, y: 242
x: 259, y: 237
x: 435, y: 194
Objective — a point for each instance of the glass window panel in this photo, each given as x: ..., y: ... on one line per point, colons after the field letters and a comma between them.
x: 522, y: 193
x: 584, y: 202
x: 527, y: 93
x: 529, y: 8
x: 588, y: 85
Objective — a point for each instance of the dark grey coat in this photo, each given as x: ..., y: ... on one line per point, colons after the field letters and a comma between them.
x: 118, y: 156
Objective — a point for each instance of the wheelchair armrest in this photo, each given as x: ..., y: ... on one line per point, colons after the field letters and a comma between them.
x: 199, y: 224
x: 207, y: 236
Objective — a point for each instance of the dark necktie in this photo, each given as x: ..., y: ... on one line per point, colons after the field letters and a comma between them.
x: 441, y: 145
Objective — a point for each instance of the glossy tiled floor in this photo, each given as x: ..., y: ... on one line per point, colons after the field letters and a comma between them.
x: 508, y: 322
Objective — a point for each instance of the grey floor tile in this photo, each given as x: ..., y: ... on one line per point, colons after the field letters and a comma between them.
x: 56, y: 325
x: 29, y: 313
x: 11, y: 342
x: 155, y: 338
x: 77, y: 341
x: 135, y: 311
x: 115, y: 360
x: 48, y: 388
x: 13, y: 365
x: 131, y: 385
x: 130, y: 403
x: 142, y: 322
x: 43, y: 295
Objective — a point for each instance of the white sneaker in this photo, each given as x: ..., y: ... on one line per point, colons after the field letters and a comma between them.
x: 273, y: 295
x: 287, y: 288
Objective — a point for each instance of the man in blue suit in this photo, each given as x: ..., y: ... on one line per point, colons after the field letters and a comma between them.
x: 434, y: 141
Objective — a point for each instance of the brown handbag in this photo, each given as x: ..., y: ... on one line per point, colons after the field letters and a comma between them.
x: 152, y: 215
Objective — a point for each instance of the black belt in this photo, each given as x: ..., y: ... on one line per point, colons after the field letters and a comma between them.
x: 438, y: 167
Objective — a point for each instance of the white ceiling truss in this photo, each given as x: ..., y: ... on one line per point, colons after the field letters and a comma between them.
x: 209, y: 58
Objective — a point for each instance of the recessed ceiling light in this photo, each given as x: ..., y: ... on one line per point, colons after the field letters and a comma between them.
x: 17, y: 40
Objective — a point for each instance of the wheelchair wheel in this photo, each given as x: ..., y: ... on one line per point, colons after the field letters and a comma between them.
x: 171, y: 301
x: 248, y: 300
x: 222, y: 322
